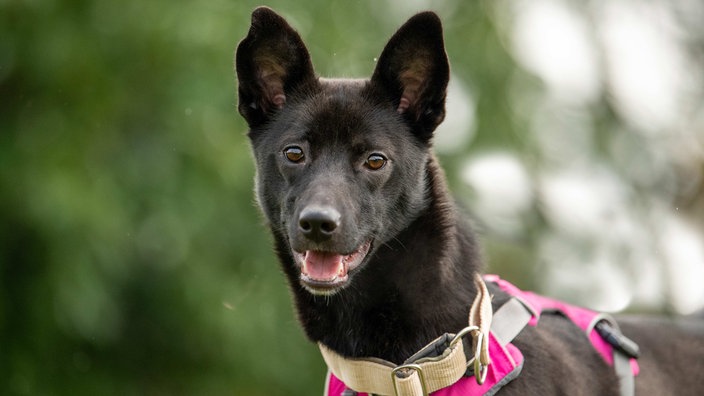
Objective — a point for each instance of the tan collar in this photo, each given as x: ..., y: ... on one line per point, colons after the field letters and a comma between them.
x: 425, y: 375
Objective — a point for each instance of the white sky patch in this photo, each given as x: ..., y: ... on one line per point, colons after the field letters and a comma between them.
x: 564, y: 134
x: 583, y: 202
x: 614, y: 288
x: 503, y: 189
x: 684, y: 254
x: 552, y: 41
x: 600, y: 285
x: 647, y: 69
x: 648, y: 287
x: 458, y: 128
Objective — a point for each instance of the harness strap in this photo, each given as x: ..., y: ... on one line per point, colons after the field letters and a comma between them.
x: 422, y: 373
x: 624, y: 372
x: 509, y: 320
x: 601, y: 329
x: 481, y: 315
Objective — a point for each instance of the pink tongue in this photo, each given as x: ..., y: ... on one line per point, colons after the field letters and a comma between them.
x: 323, y: 266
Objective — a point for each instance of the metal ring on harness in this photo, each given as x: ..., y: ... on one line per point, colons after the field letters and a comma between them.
x: 480, y: 370
x: 463, y: 333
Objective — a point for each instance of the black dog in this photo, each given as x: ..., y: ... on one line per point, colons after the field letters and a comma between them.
x: 377, y: 259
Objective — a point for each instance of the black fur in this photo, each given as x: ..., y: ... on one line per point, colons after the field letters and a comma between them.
x: 414, y: 283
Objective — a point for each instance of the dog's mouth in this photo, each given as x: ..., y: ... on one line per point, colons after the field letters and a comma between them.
x: 325, y: 273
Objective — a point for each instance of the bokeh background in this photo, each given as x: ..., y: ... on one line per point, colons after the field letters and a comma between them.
x: 133, y: 260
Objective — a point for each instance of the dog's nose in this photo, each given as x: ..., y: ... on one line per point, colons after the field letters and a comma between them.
x: 318, y: 223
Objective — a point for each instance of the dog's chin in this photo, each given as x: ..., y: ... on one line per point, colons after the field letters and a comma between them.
x: 326, y: 273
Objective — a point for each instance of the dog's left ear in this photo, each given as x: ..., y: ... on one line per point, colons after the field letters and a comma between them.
x: 413, y: 72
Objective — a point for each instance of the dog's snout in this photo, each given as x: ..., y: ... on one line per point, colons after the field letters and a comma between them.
x: 318, y: 223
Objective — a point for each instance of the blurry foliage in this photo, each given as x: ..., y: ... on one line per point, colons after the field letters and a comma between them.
x: 132, y: 258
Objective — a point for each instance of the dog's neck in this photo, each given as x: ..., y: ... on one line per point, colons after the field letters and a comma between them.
x: 415, y: 287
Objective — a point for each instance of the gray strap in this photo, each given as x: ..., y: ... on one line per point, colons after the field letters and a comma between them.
x: 622, y: 366
x: 509, y: 320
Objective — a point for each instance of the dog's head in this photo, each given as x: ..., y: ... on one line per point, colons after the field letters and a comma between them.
x: 341, y: 164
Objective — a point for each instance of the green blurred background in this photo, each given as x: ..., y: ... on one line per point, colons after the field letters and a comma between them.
x: 133, y: 260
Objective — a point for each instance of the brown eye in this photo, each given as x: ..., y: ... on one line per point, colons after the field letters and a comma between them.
x: 375, y: 162
x: 294, y: 154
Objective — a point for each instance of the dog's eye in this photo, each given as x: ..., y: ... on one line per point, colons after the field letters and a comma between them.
x: 375, y: 162
x: 294, y: 154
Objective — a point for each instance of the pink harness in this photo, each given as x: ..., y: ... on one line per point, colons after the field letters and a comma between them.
x: 507, y: 361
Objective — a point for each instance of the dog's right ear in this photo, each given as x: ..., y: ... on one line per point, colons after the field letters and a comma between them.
x: 271, y: 62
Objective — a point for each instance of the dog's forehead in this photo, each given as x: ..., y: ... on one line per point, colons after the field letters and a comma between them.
x: 339, y: 97
x: 343, y: 84
x: 341, y: 111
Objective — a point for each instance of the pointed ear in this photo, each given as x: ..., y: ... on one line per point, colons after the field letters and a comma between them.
x: 413, y: 72
x: 271, y: 62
